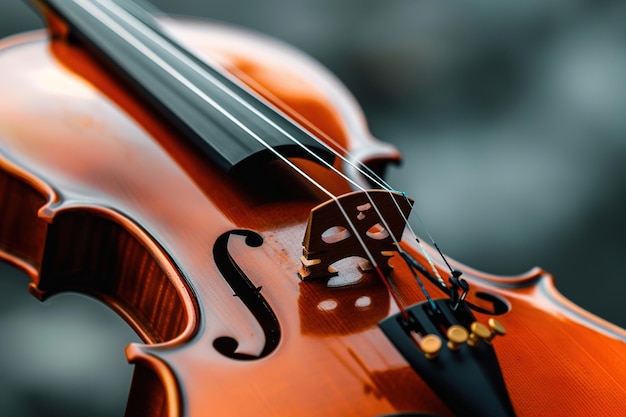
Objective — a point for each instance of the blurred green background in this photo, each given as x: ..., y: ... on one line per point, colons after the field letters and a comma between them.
x: 510, y: 118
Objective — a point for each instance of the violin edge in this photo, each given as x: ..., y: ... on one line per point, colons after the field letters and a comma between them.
x: 50, y: 209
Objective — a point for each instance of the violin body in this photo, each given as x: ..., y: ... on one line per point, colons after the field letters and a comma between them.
x: 101, y: 196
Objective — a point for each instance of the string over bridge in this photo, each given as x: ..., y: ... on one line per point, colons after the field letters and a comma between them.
x: 330, y: 234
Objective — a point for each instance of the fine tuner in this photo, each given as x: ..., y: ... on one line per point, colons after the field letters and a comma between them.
x: 463, y: 370
x: 431, y: 344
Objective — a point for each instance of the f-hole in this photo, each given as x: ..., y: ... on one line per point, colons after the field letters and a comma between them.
x: 498, y: 305
x: 248, y: 293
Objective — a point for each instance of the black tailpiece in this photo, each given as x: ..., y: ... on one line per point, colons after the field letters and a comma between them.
x: 467, y: 378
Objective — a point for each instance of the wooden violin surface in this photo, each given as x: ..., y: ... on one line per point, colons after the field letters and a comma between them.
x: 101, y: 197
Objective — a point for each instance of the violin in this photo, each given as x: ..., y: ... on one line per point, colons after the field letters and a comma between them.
x: 220, y: 192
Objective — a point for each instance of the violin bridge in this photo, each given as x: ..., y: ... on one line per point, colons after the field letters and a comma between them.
x: 332, y: 228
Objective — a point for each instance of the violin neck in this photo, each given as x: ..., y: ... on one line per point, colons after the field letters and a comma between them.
x: 231, y: 124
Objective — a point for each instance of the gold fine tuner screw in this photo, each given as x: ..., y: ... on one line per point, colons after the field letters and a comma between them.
x: 457, y: 335
x: 430, y: 345
x: 497, y: 329
x: 479, y: 331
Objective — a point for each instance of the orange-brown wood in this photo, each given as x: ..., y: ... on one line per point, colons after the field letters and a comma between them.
x: 99, y: 196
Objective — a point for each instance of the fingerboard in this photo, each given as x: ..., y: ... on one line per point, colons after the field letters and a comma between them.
x: 232, y: 125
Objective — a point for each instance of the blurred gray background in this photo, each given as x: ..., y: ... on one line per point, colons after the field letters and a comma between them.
x: 510, y: 117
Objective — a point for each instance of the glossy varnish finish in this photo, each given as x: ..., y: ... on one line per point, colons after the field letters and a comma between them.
x: 101, y: 197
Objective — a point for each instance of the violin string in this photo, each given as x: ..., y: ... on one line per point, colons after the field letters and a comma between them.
x: 89, y: 7
x: 367, y: 172
x: 220, y: 85
x: 374, y: 177
x: 419, y: 218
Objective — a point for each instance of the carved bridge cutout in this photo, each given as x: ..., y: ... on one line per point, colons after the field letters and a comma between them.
x: 330, y: 234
